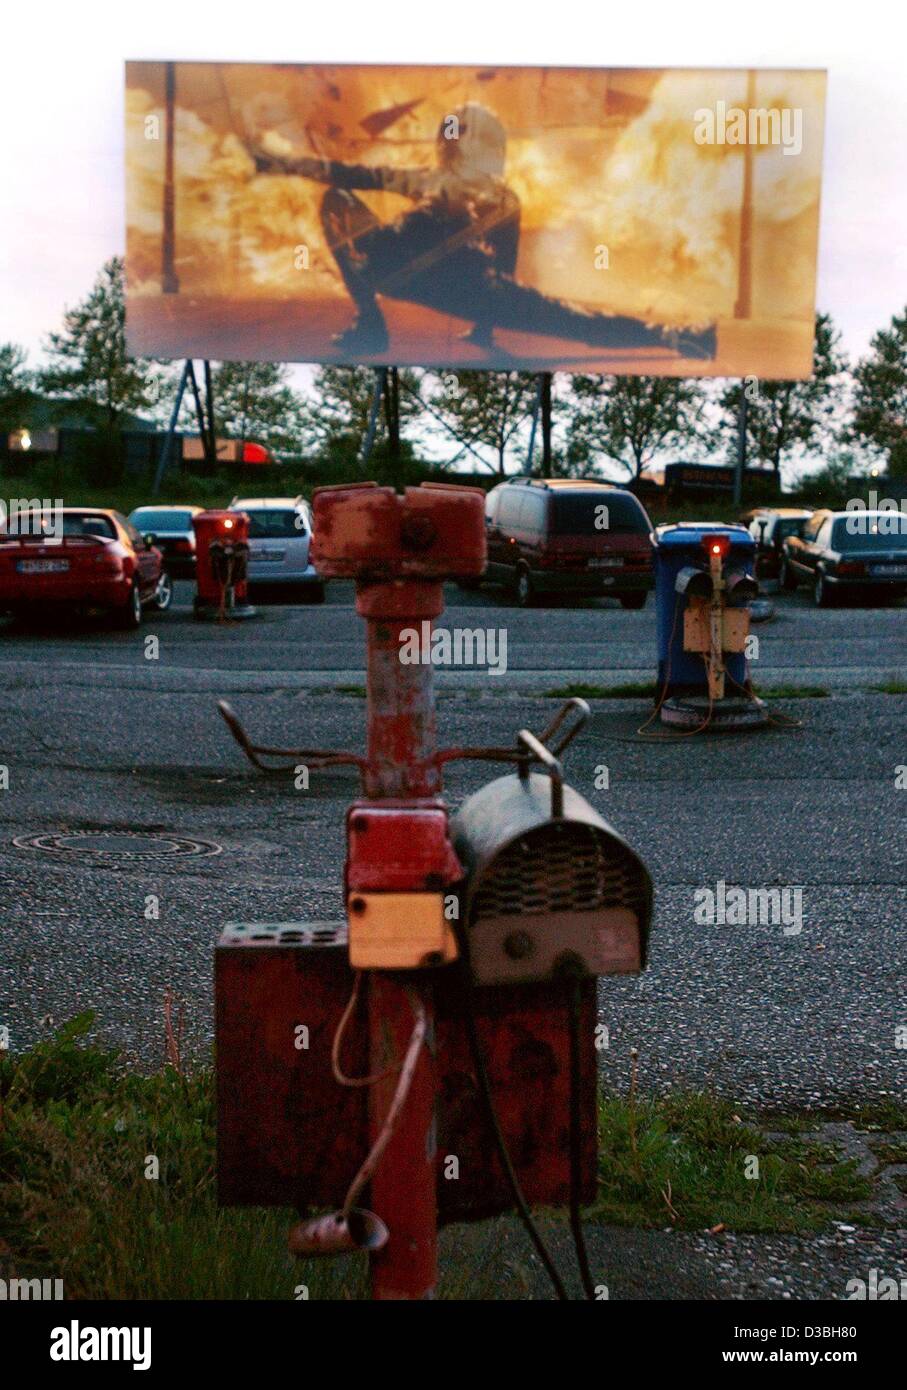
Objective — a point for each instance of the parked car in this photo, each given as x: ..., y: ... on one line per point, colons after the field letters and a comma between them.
x: 82, y: 558
x: 564, y: 536
x: 171, y: 528
x: 770, y: 528
x: 857, y: 552
x: 280, y: 534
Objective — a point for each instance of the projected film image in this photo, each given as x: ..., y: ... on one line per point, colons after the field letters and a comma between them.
x: 659, y: 221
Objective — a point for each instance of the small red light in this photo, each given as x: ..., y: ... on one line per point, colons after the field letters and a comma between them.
x: 716, y: 545
x: 228, y: 525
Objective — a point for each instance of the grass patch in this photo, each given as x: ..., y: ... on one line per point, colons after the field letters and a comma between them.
x: 683, y: 1161
x: 889, y: 1153
x: 358, y: 692
x: 794, y: 692
x: 890, y: 688
x: 77, y: 1129
x: 633, y: 690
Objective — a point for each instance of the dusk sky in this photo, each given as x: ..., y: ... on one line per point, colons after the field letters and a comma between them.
x: 62, y: 113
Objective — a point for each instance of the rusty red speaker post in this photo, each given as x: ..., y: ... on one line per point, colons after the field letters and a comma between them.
x: 399, y: 548
x: 401, y: 746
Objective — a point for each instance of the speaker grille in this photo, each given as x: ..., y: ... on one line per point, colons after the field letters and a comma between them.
x: 560, y: 867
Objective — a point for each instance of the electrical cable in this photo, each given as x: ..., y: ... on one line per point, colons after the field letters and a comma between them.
x: 576, y: 1139
x: 491, y: 1116
x: 784, y: 722
x: 339, y: 1075
x: 407, y: 1072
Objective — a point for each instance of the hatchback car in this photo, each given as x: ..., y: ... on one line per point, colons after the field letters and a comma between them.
x: 853, y: 552
x: 83, y: 558
x: 280, y: 536
x: 172, y: 533
x: 561, y: 536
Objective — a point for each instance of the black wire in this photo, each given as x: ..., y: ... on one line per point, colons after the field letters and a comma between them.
x: 576, y: 1140
x: 513, y: 1182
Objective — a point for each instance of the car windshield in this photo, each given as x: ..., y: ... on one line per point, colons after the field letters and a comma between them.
x: 269, y: 525
x: 147, y: 519
x: 870, y: 531
x: 576, y: 514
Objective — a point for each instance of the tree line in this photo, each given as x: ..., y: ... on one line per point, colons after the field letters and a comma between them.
x: 850, y: 414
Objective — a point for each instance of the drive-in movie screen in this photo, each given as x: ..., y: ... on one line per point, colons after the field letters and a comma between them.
x: 453, y: 690
x: 659, y: 221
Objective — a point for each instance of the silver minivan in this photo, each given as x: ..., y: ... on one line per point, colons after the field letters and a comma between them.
x: 280, y: 535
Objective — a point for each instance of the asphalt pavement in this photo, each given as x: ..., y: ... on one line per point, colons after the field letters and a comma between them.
x: 99, y: 736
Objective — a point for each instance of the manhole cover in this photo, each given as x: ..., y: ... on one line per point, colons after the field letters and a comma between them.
x: 119, y: 844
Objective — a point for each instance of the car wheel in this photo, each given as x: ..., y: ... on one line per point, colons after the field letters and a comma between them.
x: 788, y: 579
x: 130, y: 616
x: 633, y: 600
x: 316, y: 593
x: 523, y: 589
x: 821, y: 592
x: 163, y: 594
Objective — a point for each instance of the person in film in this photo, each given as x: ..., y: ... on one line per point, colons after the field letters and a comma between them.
x: 456, y: 250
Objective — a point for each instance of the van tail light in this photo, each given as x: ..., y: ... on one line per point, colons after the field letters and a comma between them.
x: 183, y: 547
x: 851, y: 568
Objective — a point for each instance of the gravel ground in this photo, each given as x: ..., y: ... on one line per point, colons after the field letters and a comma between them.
x: 777, y: 1021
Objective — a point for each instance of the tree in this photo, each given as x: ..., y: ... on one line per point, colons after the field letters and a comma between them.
x: 253, y: 400
x: 337, y: 414
x: 631, y: 419
x: 782, y: 415
x: 89, y: 364
x: 485, y: 408
x: 16, y: 381
x: 880, y: 395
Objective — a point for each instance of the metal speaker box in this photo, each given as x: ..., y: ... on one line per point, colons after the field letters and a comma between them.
x: 550, y: 888
x: 289, y: 1136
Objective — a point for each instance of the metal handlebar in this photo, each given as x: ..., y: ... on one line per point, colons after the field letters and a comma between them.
x: 316, y: 757
x: 583, y: 713
x: 545, y: 756
x: 530, y: 748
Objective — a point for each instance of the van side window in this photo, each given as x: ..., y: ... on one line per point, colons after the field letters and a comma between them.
x: 509, y: 508
x: 532, y: 513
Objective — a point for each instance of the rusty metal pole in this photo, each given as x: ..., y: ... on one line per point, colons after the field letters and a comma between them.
x: 401, y: 748
x: 399, y: 548
x: 169, y: 279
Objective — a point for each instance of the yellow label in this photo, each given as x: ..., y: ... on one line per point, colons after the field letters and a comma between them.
x: 399, y: 931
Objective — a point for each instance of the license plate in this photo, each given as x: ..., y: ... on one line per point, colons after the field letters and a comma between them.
x: 610, y: 563
x: 42, y: 566
x: 272, y: 556
x: 890, y: 571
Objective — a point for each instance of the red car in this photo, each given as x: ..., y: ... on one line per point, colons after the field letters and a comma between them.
x: 82, y: 558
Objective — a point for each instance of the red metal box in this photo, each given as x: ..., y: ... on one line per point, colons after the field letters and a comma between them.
x: 289, y: 1135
